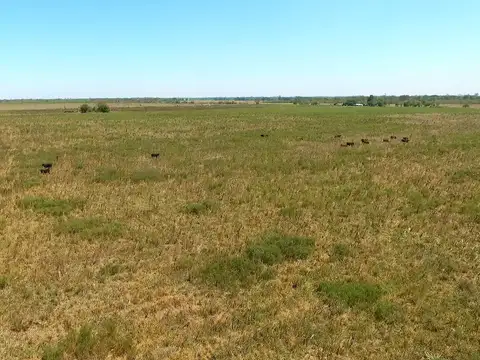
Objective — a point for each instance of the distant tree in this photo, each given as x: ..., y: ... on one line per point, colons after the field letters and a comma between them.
x: 84, y: 108
x: 102, y: 107
x: 349, y: 102
x: 297, y: 100
x: 466, y: 105
x: 371, y: 101
x: 381, y: 102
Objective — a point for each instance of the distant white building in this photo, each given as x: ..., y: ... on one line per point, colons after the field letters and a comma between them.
x: 358, y: 104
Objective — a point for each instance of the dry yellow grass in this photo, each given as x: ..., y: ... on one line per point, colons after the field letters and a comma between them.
x: 113, y: 236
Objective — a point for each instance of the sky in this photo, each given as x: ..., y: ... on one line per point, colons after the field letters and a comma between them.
x: 190, y: 48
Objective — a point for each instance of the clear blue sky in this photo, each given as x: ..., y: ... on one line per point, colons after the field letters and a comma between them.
x: 190, y: 48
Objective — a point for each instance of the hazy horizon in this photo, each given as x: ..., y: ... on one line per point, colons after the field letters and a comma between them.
x: 193, y: 49
x: 232, y: 97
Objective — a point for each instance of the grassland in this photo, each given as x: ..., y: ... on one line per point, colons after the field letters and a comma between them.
x: 233, y: 245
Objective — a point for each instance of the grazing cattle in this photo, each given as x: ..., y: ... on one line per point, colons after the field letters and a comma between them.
x: 350, y: 143
x: 264, y: 135
x: 393, y: 137
x: 47, y: 165
x: 386, y: 140
x: 365, y: 141
x: 405, y: 140
x: 156, y: 155
x: 45, y: 171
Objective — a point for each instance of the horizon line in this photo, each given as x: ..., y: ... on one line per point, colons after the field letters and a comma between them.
x: 229, y: 97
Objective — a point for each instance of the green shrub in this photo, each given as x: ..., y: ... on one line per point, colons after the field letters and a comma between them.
x: 102, y: 107
x: 84, y: 108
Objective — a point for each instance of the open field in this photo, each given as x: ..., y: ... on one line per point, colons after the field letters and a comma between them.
x: 233, y: 245
x: 52, y: 105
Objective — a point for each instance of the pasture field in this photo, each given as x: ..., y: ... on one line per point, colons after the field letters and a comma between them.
x: 231, y: 245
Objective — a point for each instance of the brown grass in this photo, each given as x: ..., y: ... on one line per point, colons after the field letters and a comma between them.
x: 113, y: 234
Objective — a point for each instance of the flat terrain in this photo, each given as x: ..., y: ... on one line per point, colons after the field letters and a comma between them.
x: 69, y: 106
x: 230, y: 244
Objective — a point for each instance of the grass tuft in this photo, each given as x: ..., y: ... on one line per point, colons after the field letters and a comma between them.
x: 199, y: 208
x: 386, y: 312
x: 110, y: 270
x: 91, y: 228
x: 289, y: 212
x: 108, y: 338
x: 340, y: 252
x: 3, y: 282
x: 53, y: 207
x: 231, y: 272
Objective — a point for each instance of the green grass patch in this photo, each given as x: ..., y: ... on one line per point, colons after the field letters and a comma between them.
x: 420, y: 201
x: 255, y: 263
x: 3, y: 282
x: 199, y: 208
x: 147, y: 175
x: 91, y: 228
x: 109, y: 338
x: 232, y: 272
x: 289, y: 212
x: 110, y: 270
x: 276, y: 248
x: 386, y: 312
x: 464, y: 175
x: 108, y: 175
x: 340, y: 252
x: 53, y: 207
x: 471, y: 209
x: 352, y: 294
x: 32, y: 182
